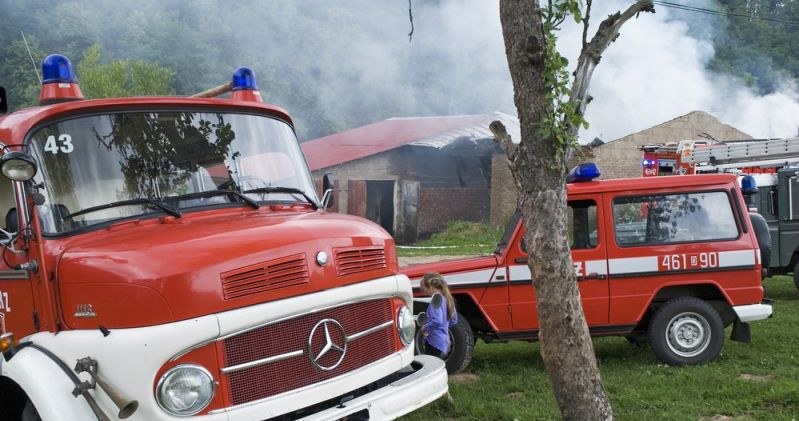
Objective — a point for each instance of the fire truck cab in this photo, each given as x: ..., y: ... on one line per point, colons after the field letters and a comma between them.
x: 667, y: 260
x: 168, y: 257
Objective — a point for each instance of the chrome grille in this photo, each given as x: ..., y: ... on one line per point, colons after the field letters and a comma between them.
x: 274, y: 359
x: 354, y: 260
x: 265, y: 276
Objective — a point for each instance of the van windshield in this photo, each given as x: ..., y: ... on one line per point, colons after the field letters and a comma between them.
x: 120, y: 165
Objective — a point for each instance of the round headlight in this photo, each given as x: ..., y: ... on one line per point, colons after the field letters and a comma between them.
x: 18, y: 166
x: 185, y: 390
x: 406, y: 326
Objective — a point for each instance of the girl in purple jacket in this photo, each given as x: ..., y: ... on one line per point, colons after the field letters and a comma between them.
x: 441, y: 316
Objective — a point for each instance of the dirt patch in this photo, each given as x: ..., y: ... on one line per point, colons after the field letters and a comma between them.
x: 415, y: 260
x: 726, y: 418
x: 464, y: 378
x: 515, y: 396
x: 755, y: 378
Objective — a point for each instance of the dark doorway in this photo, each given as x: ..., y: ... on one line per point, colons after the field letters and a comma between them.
x: 380, y: 203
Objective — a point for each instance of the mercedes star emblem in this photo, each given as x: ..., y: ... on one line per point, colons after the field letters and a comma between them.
x: 327, y: 344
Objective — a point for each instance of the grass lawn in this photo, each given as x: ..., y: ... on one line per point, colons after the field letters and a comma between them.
x: 756, y: 381
x: 459, y: 238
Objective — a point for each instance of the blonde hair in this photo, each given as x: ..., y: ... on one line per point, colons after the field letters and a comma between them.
x: 434, y: 281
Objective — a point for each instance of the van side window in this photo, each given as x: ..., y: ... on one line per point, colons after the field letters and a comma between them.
x: 581, y: 217
x: 674, y: 218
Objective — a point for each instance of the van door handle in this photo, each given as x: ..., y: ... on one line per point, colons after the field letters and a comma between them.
x: 590, y: 276
x: 521, y: 260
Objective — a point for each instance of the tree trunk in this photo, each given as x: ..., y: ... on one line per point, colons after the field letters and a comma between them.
x: 566, y: 346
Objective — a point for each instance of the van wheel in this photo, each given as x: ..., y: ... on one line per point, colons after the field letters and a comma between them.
x: 462, y: 339
x: 763, y: 237
x: 686, y: 331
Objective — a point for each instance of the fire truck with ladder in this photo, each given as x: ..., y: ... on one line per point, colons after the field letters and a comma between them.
x: 169, y: 257
x: 769, y: 173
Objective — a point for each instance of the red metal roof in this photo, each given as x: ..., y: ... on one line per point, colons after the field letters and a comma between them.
x: 379, y: 137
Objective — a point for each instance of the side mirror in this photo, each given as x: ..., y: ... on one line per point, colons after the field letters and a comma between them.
x: 327, y: 190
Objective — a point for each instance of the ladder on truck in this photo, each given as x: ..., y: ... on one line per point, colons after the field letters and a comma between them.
x: 749, y: 153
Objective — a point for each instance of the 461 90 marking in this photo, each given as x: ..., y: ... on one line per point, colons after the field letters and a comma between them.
x: 689, y: 261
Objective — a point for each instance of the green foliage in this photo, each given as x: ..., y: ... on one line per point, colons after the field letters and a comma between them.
x: 559, y: 123
x: 121, y: 78
x: 761, y: 53
x: 460, y: 237
x: 753, y: 382
x: 19, y: 75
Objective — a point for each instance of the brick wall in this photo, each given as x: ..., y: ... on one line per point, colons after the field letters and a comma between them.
x: 503, y: 191
x: 437, y: 206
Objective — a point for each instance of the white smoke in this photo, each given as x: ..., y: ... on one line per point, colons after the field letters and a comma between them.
x: 656, y: 71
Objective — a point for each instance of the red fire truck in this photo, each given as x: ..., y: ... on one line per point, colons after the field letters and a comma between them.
x: 667, y: 260
x: 168, y: 257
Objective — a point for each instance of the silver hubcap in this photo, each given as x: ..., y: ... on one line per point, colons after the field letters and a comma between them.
x: 688, y: 334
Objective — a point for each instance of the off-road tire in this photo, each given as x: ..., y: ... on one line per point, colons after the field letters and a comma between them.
x: 796, y: 275
x: 763, y: 236
x: 462, y: 339
x: 686, y: 331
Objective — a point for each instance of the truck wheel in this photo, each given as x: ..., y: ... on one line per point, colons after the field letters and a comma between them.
x: 686, y: 331
x: 796, y: 275
x: 30, y: 413
x: 462, y: 340
x: 763, y: 236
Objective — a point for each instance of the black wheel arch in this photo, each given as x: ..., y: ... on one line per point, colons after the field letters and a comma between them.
x: 706, y: 292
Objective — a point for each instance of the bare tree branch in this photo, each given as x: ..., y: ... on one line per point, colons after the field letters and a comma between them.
x: 592, y: 52
x: 410, y: 15
x: 585, y: 22
x: 503, y: 138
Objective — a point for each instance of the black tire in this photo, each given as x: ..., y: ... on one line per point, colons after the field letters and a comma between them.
x: 686, y: 331
x: 462, y: 346
x: 796, y: 275
x: 462, y: 339
x: 760, y: 226
x: 30, y: 413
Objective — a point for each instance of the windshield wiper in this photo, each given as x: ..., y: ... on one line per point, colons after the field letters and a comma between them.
x: 138, y: 201
x: 213, y: 193
x: 290, y: 190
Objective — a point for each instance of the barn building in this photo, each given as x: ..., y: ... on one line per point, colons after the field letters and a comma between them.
x: 412, y: 175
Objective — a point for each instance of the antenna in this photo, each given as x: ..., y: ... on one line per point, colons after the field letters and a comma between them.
x: 33, y: 62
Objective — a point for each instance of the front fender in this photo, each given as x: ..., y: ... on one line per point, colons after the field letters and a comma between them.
x: 47, y: 386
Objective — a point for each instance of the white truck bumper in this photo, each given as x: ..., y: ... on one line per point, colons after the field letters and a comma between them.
x: 398, y: 398
x: 752, y: 312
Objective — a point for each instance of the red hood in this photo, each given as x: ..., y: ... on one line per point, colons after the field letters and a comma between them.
x: 148, y: 272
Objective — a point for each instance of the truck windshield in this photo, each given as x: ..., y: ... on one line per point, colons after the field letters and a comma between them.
x: 100, y: 168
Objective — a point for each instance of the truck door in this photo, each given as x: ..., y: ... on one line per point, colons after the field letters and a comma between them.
x: 589, y: 254
x: 788, y: 207
x: 16, y: 294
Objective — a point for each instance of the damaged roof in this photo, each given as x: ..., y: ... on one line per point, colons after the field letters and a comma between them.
x: 434, y: 132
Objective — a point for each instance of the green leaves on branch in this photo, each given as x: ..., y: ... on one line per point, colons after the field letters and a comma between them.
x: 563, y: 117
x: 121, y: 78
